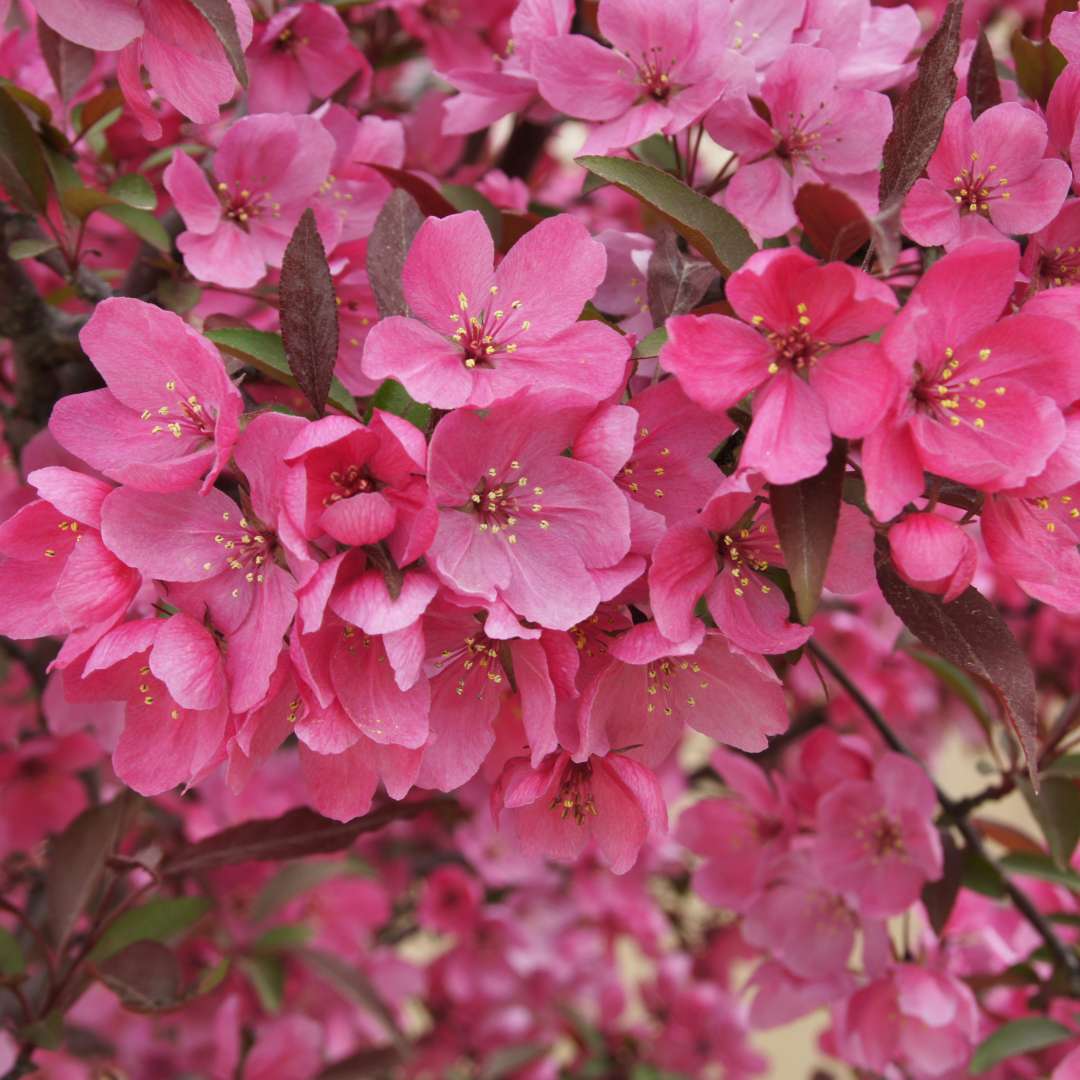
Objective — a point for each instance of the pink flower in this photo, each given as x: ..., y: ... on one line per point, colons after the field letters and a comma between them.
x: 651, y: 688
x: 1052, y: 255
x: 451, y: 901
x: 797, y: 345
x: 518, y: 521
x: 876, y: 839
x: 986, y: 175
x: 303, y: 52
x: 479, y: 336
x: 933, y: 554
x: 57, y: 577
x: 983, y: 399
x: 669, y: 63
x: 921, y: 1020
x: 170, y: 415
x: 557, y: 808
x: 657, y: 449
x: 268, y: 168
x: 818, y: 133
x: 170, y: 38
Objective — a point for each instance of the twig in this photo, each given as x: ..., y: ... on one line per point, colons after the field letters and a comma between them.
x: 1063, y: 956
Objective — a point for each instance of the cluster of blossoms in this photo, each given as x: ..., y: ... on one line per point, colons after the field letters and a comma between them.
x: 393, y: 472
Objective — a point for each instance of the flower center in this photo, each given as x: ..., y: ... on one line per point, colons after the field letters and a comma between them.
x: 575, y: 793
x: 483, y: 335
x: 353, y: 480
x: 975, y: 188
x: 479, y: 665
x: 743, y: 556
x: 953, y: 399
x: 500, y: 503
x: 186, y: 417
x: 796, y: 347
x: 1059, y: 267
x: 243, y: 205
x: 247, y: 550
x: 653, y: 74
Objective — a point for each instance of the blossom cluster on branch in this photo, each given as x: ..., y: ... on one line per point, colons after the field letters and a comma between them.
x: 471, y: 610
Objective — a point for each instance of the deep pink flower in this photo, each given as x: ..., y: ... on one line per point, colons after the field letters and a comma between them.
x: 558, y: 807
x: 170, y: 415
x: 451, y: 901
x: 480, y: 336
x: 933, y: 554
x: 798, y: 346
x: 669, y: 63
x: 876, y: 839
x: 983, y: 399
x: 170, y: 38
x: 303, y: 52
x: 818, y: 133
x: 922, y: 1020
x: 651, y: 688
x: 268, y: 167
x: 518, y: 521
x: 657, y: 449
x: 1051, y: 256
x: 57, y: 577
x: 986, y: 176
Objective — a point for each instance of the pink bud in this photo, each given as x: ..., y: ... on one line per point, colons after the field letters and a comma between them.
x: 933, y: 554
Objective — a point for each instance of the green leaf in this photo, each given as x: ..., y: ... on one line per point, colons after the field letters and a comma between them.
x: 31, y: 247
x: 134, y: 190
x: 282, y: 938
x: 266, y: 352
x: 266, y: 972
x: 1017, y: 1037
x: 1069, y: 765
x: 23, y: 172
x: 212, y: 977
x: 83, y: 201
x: 159, y: 920
x: 1042, y: 867
x: 12, y: 961
x: 510, y: 1060
x: 1038, y: 65
x: 715, y: 233
x: 1057, y: 810
x: 651, y: 344
x: 467, y: 198
x: 143, y: 224
x: 392, y: 397
x: 806, y: 515
x: 48, y: 1032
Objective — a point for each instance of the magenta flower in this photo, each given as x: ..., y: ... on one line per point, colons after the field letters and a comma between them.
x: 984, y: 397
x: 1051, y: 256
x: 651, y: 689
x: 170, y: 38
x: 479, y: 336
x: 669, y: 63
x: 303, y: 52
x: 876, y: 840
x: 933, y: 554
x: 268, y: 168
x: 816, y: 134
x: 518, y: 521
x: 797, y: 346
x: 170, y: 415
x: 557, y: 808
x: 987, y: 176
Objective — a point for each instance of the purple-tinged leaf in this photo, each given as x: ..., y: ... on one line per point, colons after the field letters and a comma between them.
x: 219, y: 14
x: 939, y: 897
x: 145, y: 977
x: 676, y: 282
x: 983, y: 86
x: 298, y: 833
x: 806, y: 515
x: 970, y: 632
x: 23, y: 172
x: 432, y: 203
x: 833, y: 222
x: 76, y: 861
x: 920, y: 113
x: 309, y: 317
x: 389, y: 243
x: 69, y: 64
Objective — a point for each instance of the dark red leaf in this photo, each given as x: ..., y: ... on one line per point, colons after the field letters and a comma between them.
x: 432, y: 203
x: 515, y: 225
x: 920, y: 113
x: 144, y: 976
x: 69, y: 64
x: 939, y: 897
x: 219, y: 14
x: 983, y: 87
x: 833, y: 222
x: 970, y: 632
x: 388, y: 245
x: 298, y: 833
x: 806, y: 514
x: 309, y: 318
x: 676, y: 282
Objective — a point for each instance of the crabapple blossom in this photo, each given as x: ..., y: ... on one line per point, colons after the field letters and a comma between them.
x: 933, y: 553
